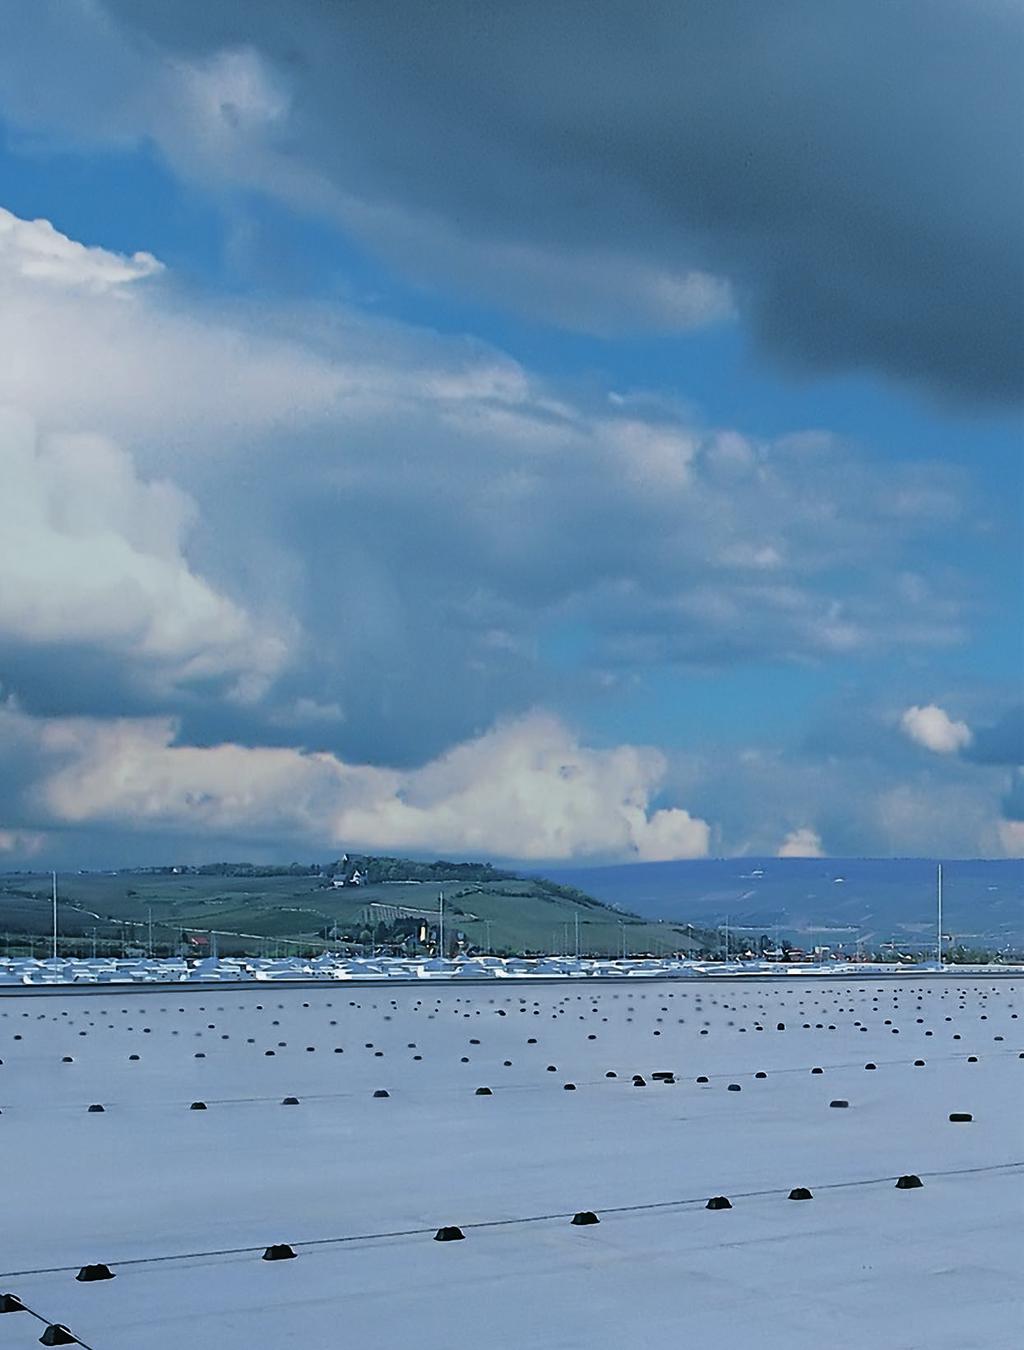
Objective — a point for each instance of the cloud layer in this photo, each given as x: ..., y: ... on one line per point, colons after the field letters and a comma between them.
x: 847, y: 177
x: 277, y: 570
x: 91, y: 555
x: 315, y: 573
x: 398, y: 494
x: 526, y: 789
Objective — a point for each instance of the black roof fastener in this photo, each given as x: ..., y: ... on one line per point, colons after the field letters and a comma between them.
x: 99, y: 1271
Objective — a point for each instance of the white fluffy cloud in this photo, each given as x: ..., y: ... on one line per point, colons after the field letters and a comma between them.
x: 932, y: 727
x: 92, y: 554
x: 93, y: 551
x: 801, y: 843
x: 527, y: 789
x: 90, y: 345
x: 35, y: 251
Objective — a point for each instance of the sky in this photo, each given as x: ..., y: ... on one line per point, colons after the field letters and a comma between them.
x: 529, y: 432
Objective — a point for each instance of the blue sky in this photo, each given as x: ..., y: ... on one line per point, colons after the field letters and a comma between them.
x: 581, y: 438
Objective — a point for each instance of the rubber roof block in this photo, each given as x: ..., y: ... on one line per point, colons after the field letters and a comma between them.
x: 99, y: 1271
x: 57, y: 1334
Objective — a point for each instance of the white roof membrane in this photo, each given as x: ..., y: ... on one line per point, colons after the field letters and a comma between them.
x: 182, y: 1204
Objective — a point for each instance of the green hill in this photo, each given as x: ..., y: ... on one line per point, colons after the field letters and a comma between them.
x: 356, y: 902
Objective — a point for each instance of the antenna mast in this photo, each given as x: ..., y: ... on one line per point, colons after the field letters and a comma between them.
x: 54, y: 876
x: 938, y: 918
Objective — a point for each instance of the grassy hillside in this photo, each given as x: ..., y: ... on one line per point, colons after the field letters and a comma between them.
x: 281, y: 911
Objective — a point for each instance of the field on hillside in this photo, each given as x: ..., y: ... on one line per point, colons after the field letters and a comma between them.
x: 352, y: 1123
x: 263, y: 915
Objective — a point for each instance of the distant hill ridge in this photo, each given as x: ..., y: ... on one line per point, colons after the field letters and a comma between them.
x: 881, y: 898
x: 374, y: 869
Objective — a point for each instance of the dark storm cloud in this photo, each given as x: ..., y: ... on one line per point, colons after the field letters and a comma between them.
x: 78, y: 679
x: 1002, y: 742
x: 853, y: 170
x: 1013, y: 801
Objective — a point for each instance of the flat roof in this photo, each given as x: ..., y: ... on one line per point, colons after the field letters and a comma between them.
x: 181, y: 1204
